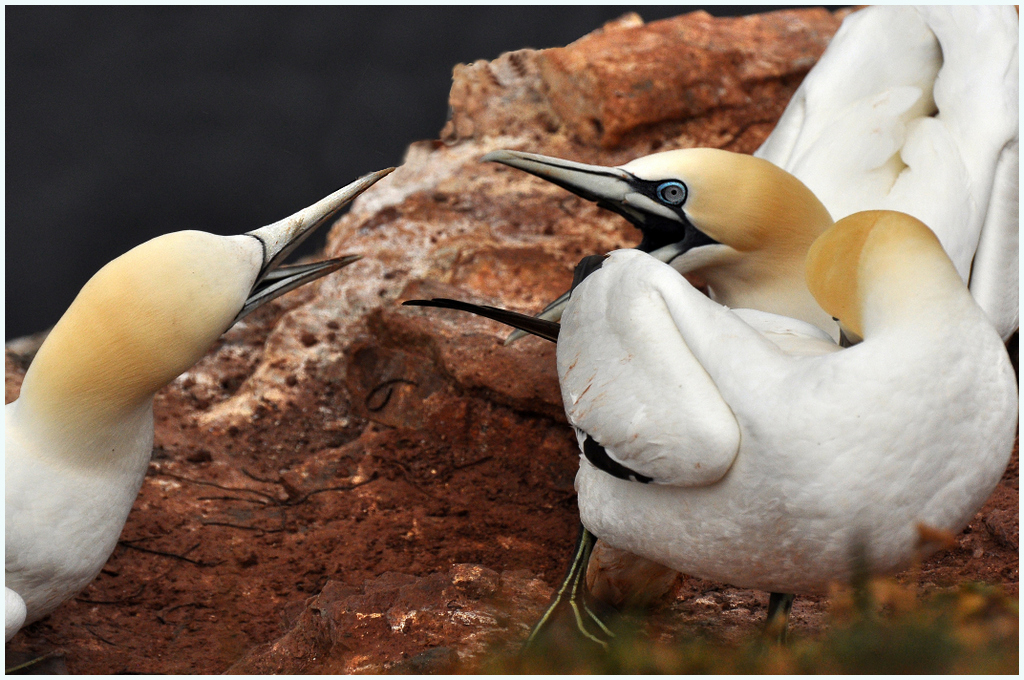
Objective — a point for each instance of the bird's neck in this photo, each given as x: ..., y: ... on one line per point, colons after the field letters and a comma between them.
x: 782, y: 290
x: 69, y: 437
x: 87, y: 400
x: 105, y: 357
x: 915, y: 298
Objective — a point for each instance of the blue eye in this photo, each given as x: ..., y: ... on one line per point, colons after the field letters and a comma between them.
x: 672, y: 193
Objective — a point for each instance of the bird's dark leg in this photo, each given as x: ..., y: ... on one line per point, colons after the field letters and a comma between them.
x: 777, y: 621
x: 571, y: 595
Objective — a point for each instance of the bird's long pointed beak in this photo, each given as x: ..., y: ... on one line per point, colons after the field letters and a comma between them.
x: 608, y: 187
x: 282, y: 237
x: 665, y: 236
x: 614, y: 189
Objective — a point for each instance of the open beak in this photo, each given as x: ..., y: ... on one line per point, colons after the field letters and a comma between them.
x: 284, y: 236
x: 613, y: 189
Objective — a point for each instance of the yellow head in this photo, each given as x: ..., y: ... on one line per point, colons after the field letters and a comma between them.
x: 761, y: 220
x: 152, y: 313
x: 141, y: 320
x: 740, y: 201
x: 735, y: 223
x: 875, y: 268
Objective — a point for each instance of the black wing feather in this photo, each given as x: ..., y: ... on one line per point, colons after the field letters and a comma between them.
x: 600, y: 459
x: 539, y: 327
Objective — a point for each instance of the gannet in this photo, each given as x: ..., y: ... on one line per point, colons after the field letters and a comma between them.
x: 78, y: 439
x: 914, y: 110
x: 744, y: 447
x: 769, y: 467
x: 909, y: 109
x: 738, y: 223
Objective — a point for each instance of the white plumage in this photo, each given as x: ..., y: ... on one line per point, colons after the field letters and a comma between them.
x: 657, y: 410
x: 774, y: 467
x: 79, y: 437
x: 14, y: 613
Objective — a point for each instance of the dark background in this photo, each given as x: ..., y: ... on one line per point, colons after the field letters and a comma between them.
x: 126, y: 123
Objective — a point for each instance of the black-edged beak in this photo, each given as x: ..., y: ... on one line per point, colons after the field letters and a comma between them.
x: 618, y: 190
x: 284, y: 236
x: 667, y: 232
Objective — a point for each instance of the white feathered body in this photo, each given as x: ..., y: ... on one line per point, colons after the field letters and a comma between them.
x: 770, y: 469
x: 64, y: 514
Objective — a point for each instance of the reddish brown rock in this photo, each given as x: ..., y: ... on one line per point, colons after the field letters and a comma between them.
x: 336, y: 454
x: 632, y: 78
x: 398, y: 623
x: 631, y: 88
x: 625, y: 580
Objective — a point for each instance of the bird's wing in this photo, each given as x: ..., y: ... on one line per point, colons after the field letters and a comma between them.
x: 875, y: 52
x: 994, y: 272
x: 15, y: 612
x: 630, y: 383
x: 916, y: 110
x: 977, y: 94
x: 952, y: 158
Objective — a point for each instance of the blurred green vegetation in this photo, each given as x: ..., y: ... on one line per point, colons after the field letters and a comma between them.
x: 876, y: 627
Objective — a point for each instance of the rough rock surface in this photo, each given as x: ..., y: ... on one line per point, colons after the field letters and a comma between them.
x: 343, y: 484
x: 345, y: 629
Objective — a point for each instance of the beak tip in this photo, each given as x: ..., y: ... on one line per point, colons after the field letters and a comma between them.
x: 499, y: 156
x: 350, y: 192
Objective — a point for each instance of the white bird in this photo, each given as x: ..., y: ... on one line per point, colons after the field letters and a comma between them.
x: 914, y: 110
x: 666, y: 428
x: 744, y: 447
x: 79, y: 437
x: 767, y: 468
